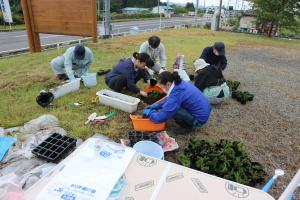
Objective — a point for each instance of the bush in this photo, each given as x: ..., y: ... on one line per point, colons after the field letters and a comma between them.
x: 288, y: 32
x: 225, y: 159
x: 207, y: 25
x: 17, y: 19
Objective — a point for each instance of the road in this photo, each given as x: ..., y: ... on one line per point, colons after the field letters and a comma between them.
x: 17, y: 40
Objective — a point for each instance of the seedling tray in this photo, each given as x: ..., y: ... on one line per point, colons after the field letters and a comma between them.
x: 55, y: 147
x: 136, y: 136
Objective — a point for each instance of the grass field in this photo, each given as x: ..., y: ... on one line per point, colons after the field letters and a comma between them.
x: 22, y: 77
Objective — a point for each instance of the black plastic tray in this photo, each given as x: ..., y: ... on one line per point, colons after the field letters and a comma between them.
x: 55, y: 147
x: 136, y: 136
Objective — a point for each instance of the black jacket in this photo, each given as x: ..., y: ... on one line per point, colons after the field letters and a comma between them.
x: 209, y: 57
x: 209, y: 76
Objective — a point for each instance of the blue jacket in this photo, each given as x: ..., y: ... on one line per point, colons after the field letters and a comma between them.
x: 126, y: 68
x: 184, y: 95
x: 210, y: 58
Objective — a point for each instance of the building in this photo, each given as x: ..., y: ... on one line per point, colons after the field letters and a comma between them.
x: 248, y: 24
x: 211, y: 9
x: 131, y: 10
x: 191, y: 13
x: 163, y: 10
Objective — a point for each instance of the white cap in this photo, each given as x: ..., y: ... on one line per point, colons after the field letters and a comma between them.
x: 200, y: 64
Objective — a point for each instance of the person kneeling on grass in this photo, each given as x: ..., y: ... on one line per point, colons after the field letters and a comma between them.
x: 211, y: 82
x: 128, y: 72
x: 75, y: 62
x: 184, y: 102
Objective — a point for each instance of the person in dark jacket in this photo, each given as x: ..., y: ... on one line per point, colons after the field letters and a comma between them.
x: 128, y: 72
x: 211, y: 82
x: 215, y: 55
x: 184, y: 102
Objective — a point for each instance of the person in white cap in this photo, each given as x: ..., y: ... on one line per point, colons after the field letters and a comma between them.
x: 211, y: 82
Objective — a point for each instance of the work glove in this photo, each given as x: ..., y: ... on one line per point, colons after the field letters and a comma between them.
x: 150, y: 71
x: 153, y: 107
x: 147, y: 112
x: 161, y: 70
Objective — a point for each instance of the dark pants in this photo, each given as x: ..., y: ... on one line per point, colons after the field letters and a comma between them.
x: 119, y: 82
x: 184, y: 119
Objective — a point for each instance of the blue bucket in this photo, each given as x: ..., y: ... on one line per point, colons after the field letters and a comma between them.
x: 149, y: 148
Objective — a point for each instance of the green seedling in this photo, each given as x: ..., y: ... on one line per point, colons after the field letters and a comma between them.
x: 226, y: 159
x: 153, y: 97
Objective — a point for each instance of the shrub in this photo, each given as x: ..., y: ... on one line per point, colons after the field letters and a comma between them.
x: 207, y: 25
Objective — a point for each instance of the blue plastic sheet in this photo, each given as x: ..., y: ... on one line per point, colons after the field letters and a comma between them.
x: 5, y: 144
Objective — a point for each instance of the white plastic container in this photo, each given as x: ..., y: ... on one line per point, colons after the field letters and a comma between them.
x: 90, y: 79
x: 183, y: 75
x: 66, y: 88
x: 117, y: 100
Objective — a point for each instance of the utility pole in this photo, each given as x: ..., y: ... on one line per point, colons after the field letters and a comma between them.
x: 235, y: 7
x: 98, y: 9
x: 168, y: 4
x: 219, y: 16
x: 159, y: 14
x: 196, y: 11
x: 107, y: 18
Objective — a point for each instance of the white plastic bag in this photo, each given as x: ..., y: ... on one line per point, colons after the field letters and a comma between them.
x: 40, y: 123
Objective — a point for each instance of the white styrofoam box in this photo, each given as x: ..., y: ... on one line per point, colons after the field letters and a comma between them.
x: 66, y: 88
x: 183, y: 75
x: 117, y: 100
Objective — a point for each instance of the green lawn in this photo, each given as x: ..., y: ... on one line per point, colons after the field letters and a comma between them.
x: 13, y: 27
x: 22, y: 77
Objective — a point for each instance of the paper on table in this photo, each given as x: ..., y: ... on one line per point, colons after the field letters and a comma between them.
x: 90, y: 175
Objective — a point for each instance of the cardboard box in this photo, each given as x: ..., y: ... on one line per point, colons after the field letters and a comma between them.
x: 149, y: 178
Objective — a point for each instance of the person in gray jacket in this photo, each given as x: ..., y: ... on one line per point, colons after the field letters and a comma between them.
x: 155, y: 49
x: 75, y: 62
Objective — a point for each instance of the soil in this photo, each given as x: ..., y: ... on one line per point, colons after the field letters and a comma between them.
x: 153, y: 97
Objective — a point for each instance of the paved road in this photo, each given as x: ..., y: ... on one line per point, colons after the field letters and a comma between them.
x: 17, y: 40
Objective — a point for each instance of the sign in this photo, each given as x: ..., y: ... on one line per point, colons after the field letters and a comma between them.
x: 65, y: 17
x: 5, y: 7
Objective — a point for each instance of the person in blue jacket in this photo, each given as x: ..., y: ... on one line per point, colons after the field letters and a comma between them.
x: 75, y: 62
x: 128, y: 72
x: 184, y: 102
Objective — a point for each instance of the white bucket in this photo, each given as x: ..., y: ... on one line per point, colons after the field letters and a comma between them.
x: 149, y: 148
x: 90, y: 79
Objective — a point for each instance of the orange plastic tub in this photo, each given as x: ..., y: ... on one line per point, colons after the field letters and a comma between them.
x: 142, y: 124
x: 154, y: 88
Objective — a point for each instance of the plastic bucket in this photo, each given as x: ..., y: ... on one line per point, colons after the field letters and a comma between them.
x: 149, y: 148
x: 90, y: 79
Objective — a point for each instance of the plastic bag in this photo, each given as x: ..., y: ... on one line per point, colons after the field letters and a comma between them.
x: 9, y: 189
x: 40, y: 123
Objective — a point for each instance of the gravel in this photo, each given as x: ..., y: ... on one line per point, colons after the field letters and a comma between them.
x: 269, y: 125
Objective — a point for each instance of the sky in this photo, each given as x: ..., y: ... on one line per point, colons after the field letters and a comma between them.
x: 213, y: 2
